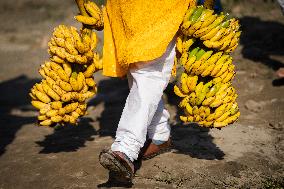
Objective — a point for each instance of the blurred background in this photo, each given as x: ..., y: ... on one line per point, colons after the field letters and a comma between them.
x: 248, y: 154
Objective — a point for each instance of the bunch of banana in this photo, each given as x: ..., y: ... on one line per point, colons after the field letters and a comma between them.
x: 207, y: 95
x: 201, y: 100
x: 93, y: 16
x: 67, y: 44
x: 61, y: 96
x: 216, y: 31
x: 68, y: 80
x: 208, y: 63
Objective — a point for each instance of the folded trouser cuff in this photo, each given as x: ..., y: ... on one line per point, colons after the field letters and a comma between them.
x: 130, y: 147
x: 160, y: 136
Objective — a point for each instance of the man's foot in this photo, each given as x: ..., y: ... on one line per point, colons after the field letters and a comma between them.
x: 118, y: 164
x: 151, y: 150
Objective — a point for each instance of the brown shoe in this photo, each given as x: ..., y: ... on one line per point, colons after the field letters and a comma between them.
x: 118, y: 164
x: 151, y: 150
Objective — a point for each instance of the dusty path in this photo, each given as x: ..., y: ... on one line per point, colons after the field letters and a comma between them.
x: 248, y: 154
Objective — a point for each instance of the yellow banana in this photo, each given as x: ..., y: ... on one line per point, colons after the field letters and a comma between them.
x: 56, y: 59
x: 234, y: 109
x: 90, y: 82
x: 210, y: 117
x: 42, y: 117
x: 188, y: 14
x: 229, y: 77
x: 189, y: 63
x: 197, y: 118
x: 80, y: 80
x: 42, y: 97
x: 39, y: 87
x: 204, y: 15
x: 232, y: 118
x: 192, y: 98
x: 71, y: 107
x: 227, y: 99
x: 192, y: 82
x: 61, y: 112
x: 195, y: 67
x: 231, y: 49
x: 56, y: 119
x: 93, y: 10
x: 208, y: 101
x: 51, y: 113
x: 188, y: 109
x: 212, y: 44
x: 87, y: 20
x: 204, y: 29
x: 179, y: 44
x: 208, y: 70
x: 177, y: 91
x: 70, y: 48
x: 218, y: 35
x: 50, y: 92
x: 94, y: 40
x: 210, y: 34
x: 183, y: 102
x: 183, y: 118
x: 220, y: 111
x: 65, y: 86
x: 32, y: 96
x: 184, y: 87
x: 67, y: 68
x: 183, y: 58
x: 187, y: 44
x: 38, y: 104
x: 59, y: 42
x: 73, y: 82
x: 75, y: 115
x: 235, y: 39
x: 217, y: 102
x: 219, y: 64
x: 78, y: 40
x: 56, y: 105
x: 198, y: 88
x: 220, y: 124
x: 42, y: 73
x: 223, y: 117
x: 46, y: 122
x: 185, y: 26
x: 72, y: 120
x: 45, y: 109
x: 66, y: 118
x: 85, y: 88
x: 224, y: 67
x: 207, y: 111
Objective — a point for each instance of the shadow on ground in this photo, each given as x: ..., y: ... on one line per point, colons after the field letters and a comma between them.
x: 68, y: 139
x: 261, y: 40
x: 14, y: 101
x: 187, y: 139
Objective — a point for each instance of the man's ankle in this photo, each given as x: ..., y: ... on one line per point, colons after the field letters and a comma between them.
x: 158, y: 142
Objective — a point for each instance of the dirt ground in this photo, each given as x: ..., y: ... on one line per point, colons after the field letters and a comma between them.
x: 248, y: 154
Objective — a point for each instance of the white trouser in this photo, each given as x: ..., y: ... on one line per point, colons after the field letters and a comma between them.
x: 144, y: 110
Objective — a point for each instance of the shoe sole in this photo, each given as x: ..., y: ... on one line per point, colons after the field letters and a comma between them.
x: 110, y: 162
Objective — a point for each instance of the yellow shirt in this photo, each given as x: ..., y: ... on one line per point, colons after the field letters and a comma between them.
x: 138, y: 30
